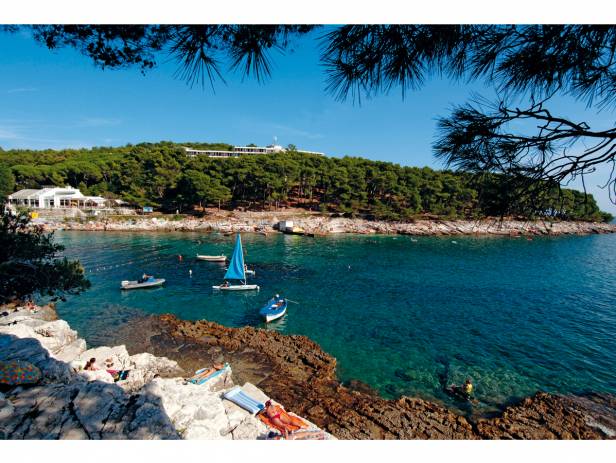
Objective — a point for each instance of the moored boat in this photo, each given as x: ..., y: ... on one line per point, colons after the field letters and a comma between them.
x: 149, y: 282
x: 212, y: 258
x: 236, y: 271
x: 294, y: 231
x: 276, y: 307
x: 240, y: 287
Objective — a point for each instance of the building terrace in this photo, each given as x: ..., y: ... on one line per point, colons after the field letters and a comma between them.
x: 241, y: 150
x: 53, y: 197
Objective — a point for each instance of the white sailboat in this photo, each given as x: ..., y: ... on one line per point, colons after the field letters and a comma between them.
x: 236, y: 271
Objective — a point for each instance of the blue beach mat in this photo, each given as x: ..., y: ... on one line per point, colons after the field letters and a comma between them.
x: 239, y: 397
x: 196, y: 380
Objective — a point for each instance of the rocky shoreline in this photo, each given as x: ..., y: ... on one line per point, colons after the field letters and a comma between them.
x: 155, y: 403
x: 295, y: 370
x: 322, y: 224
x: 69, y: 402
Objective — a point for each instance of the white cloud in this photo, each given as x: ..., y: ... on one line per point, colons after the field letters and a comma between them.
x: 22, y: 90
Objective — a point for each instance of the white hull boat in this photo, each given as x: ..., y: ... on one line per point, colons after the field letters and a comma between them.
x: 212, y: 258
x: 275, y: 309
x: 236, y: 287
x: 126, y: 284
x: 236, y: 271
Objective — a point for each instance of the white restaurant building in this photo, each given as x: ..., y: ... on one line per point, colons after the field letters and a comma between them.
x: 53, y: 197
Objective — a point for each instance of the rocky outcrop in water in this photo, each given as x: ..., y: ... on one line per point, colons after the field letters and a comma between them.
x: 314, y: 223
x: 547, y: 416
x: 296, y: 371
x: 70, y: 403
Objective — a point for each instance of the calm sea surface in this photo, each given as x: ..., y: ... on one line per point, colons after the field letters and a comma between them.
x: 402, y: 314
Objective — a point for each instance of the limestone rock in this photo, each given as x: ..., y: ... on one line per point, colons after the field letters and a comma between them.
x: 96, y: 375
x: 71, y: 351
x: 118, y: 355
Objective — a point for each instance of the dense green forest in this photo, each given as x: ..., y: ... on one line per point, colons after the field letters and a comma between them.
x: 161, y: 175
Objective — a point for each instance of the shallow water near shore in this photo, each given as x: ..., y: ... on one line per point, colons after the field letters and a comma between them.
x: 404, y: 315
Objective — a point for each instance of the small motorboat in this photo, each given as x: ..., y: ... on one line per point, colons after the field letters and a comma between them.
x: 212, y: 258
x: 149, y: 282
x: 276, y: 307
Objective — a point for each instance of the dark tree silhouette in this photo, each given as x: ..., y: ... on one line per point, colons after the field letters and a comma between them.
x: 200, y: 50
x: 532, y: 63
x: 29, y: 261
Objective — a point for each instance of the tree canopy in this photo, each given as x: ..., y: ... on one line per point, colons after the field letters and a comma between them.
x: 7, y: 181
x: 531, y: 63
x: 162, y: 175
x: 29, y: 262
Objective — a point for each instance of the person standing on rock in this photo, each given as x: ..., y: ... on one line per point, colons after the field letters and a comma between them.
x: 465, y: 391
x: 468, y: 388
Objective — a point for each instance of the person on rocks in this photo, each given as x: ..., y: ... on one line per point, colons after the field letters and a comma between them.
x: 283, y: 421
x: 90, y: 365
x: 204, y: 374
x: 468, y: 388
x: 465, y: 391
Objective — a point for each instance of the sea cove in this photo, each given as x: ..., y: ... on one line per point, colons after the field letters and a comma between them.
x: 404, y: 315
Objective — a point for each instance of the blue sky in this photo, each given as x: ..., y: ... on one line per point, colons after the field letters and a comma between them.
x: 59, y: 99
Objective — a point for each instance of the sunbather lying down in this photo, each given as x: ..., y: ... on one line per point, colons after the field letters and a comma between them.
x: 207, y: 372
x: 276, y: 416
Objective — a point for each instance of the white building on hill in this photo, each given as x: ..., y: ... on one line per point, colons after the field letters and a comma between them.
x: 54, y: 197
x: 242, y: 150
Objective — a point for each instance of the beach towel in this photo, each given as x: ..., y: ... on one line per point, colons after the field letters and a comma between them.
x: 18, y: 372
x: 239, y: 397
x: 118, y: 375
x: 198, y: 378
x: 298, y: 423
x: 309, y: 434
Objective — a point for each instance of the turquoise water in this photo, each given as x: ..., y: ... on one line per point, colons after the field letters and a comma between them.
x: 401, y: 314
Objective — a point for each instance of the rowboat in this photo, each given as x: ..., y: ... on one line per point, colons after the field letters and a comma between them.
x: 276, y: 307
x: 212, y: 258
x: 137, y: 284
x: 236, y: 271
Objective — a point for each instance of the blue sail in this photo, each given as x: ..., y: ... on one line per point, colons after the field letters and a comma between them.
x: 236, y: 266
